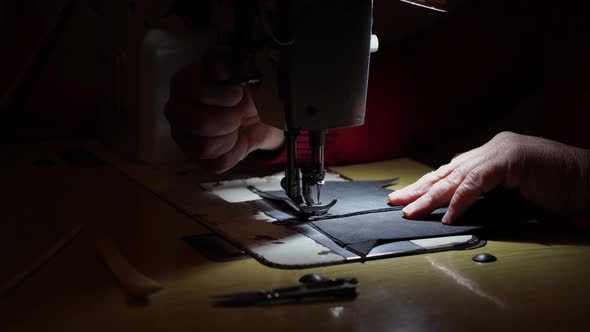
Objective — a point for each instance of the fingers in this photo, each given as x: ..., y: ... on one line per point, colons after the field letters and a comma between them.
x: 229, y: 159
x: 459, y: 190
x: 412, y: 192
x: 214, y: 122
x: 437, y: 189
x: 441, y: 193
x: 248, y: 139
x: 479, y: 180
x: 189, y: 87
x: 415, y: 190
x: 438, y: 195
x: 207, y: 120
x: 219, y: 153
x: 202, y: 147
x: 206, y: 83
x: 219, y: 94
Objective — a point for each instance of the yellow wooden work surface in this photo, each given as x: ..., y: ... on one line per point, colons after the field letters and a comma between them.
x: 533, y: 286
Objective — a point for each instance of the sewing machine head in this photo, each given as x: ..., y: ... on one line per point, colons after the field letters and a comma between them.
x: 307, y: 64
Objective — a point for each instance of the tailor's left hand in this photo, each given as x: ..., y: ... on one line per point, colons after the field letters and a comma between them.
x: 549, y: 174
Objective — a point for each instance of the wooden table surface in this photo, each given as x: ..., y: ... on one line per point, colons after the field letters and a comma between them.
x: 535, y: 284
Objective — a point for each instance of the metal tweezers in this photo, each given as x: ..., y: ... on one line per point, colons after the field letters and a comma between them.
x: 313, y: 286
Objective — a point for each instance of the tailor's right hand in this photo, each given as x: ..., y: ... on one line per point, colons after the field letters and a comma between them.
x: 215, y: 123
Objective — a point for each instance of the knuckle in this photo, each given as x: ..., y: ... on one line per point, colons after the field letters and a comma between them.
x: 234, y: 122
x: 473, y: 176
x: 247, y: 106
x: 441, y: 187
x: 207, y: 155
x: 455, y: 159
x: 216, y: 147
x: 461, y: 193
x: 215, y: 95
x: 457, y: 174
x: 233, y: 95
x: 421, y: 186
x: 426, y: 182
x: 225, y: 162
x: 204, y: 150
x: 428, y: 198
x: 504, y: 135
x: 442, y: 170
x: 507, y: 140
x: 472, y: 181
x: 430, y: 178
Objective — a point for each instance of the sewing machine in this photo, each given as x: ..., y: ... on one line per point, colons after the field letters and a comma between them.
x: 323, y: 73
x: 310, y: 59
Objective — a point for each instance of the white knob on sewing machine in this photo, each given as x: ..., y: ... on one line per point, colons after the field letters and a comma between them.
x: 374, y: 43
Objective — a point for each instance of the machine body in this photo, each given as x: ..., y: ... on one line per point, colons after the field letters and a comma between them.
x: 310, y: 60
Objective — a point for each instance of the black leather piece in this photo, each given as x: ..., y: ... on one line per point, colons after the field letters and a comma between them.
x: 386, y: 227
x: 354, y: 197
x: 362, y: 218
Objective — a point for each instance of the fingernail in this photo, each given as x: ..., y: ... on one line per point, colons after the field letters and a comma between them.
x: 394, y: 198
x: 446, y: 219
x: 390, y: 198
x: 408, y: 210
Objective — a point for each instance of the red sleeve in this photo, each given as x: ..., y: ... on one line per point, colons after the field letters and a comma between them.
x: 387, y: 132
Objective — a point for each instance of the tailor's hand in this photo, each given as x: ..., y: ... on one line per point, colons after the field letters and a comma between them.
x: 216, y: 124
x: 549, y: 174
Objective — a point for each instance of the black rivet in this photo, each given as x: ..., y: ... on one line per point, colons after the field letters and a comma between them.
x: 311, y: 278
x: 484, y: 258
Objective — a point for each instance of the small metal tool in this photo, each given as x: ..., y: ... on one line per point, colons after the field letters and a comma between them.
x: 313, y: 286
